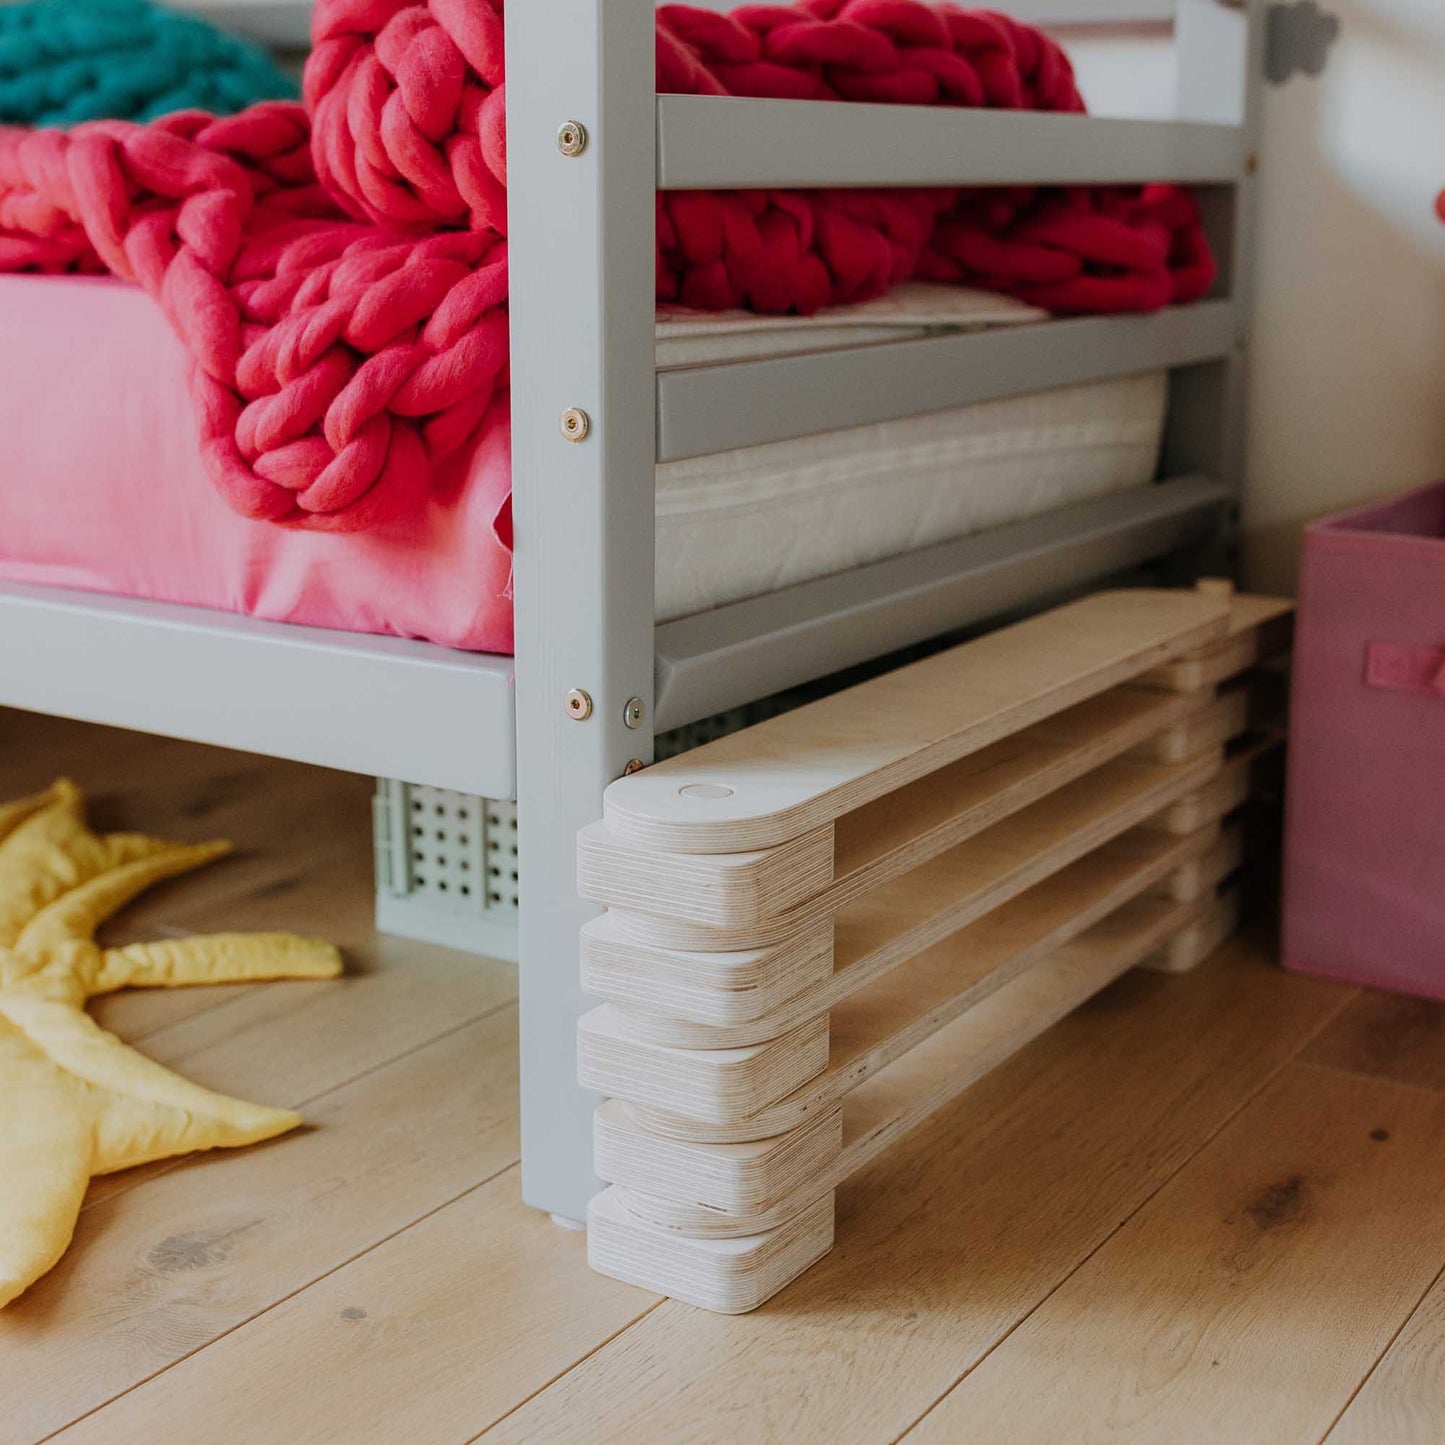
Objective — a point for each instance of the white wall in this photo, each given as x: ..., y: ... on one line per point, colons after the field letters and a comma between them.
x: 1348, y: 385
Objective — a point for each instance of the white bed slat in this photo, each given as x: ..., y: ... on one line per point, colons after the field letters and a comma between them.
x: 720, y: 659
x: 707, y: 409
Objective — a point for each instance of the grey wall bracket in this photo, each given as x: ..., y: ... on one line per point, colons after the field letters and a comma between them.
x: 1298, y: 40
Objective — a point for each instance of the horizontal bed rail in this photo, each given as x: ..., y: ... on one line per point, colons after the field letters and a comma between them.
x: 287, y: 23
x: 721, y: 659
x: 722, y: 142
x: 1051, y: 13
x: 705, y: 409
x: 379, y: 705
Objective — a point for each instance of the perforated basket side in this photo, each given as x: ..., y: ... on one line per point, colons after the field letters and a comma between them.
x: 446, y: 867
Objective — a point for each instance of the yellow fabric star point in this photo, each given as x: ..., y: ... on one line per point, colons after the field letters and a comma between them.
x: 74, y: 1100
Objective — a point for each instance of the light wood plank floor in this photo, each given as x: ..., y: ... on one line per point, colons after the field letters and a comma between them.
x: 1203, y: 1209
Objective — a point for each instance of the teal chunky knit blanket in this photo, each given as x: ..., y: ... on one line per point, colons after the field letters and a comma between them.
x: 64, y: 61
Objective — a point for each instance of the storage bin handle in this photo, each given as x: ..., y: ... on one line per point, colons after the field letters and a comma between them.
x: 1394, y: 667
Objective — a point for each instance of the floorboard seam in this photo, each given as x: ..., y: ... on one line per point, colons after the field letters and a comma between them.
x: 1379, y: 1359
x: 1143, y: 1203
x: 282, y: 1299
x: 1364, y: 1077
x: 166, y: 1166
x: 243, y: 991
x: 562, y: 1374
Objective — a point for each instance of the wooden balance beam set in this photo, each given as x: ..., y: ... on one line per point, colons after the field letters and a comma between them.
x: 822, y: 929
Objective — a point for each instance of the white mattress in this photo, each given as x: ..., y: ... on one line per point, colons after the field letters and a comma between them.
x: 746, y: 522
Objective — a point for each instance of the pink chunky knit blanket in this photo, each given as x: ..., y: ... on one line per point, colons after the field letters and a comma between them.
x: 337, y: 271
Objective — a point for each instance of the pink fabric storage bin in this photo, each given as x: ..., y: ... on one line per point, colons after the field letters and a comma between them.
x: 1365, y: 831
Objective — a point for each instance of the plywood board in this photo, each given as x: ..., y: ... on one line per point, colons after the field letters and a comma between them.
x: 1260, y: 627
x: 800, y: 771
x: 969, y: 886
x: 1216, y: 923
x: 1194, y: 879
x: 899, y: 1010
x: 1067, y: 817
x: 915, y: 911
x: 1228, y: 790
x: 707, y: 987
x: 870, y: 845
x: 734, y: 1274
x: 1224, y: 717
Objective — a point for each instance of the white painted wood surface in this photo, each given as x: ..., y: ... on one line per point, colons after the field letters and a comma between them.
x: 725, y: 143
x: 582, y: 239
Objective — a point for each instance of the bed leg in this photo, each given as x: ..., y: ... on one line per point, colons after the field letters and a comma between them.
x: 583, y: 460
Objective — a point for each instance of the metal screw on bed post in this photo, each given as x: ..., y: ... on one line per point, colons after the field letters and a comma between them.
x: 634, y: 712
x: 575, y: 424
x: 579, y: 705
x: 572, y: 138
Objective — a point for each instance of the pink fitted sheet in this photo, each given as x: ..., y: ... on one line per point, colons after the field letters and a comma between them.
x: 102, y: 488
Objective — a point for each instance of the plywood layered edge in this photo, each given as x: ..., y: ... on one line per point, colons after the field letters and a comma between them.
x: 661, y: 1155
x: 823, y: 929
x: 894, y: 923
x: 733, y: 1274
x: 870, y: 845
x: 804, y: 769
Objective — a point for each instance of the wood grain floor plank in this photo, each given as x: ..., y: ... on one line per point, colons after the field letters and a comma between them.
x: 321, y: 888
x: 35, y: 750
x: 285, y: 1043
x: 947, y: 1242
x: 161, y: 1271
x: 1403, y: 1401
x: 293, y: 828
x: 137, y: 1014
x: 1387, y: 1037
x: 449, y: 1324
x: 1249, y: 1298
x: 302, y: 835
x: 288, y: 822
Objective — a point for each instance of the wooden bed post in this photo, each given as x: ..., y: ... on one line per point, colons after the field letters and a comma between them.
x: 581, y: 119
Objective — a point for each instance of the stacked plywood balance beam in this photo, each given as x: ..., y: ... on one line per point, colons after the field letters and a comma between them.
x: 822, y: 929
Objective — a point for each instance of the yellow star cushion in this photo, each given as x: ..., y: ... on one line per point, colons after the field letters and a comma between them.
x: 74, y: 1100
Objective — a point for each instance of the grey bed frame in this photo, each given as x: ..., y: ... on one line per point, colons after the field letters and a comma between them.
x: 582, y: 338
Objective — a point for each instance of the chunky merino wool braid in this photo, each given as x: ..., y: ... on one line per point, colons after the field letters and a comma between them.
x: 65, y: 61
x: 338, y: 273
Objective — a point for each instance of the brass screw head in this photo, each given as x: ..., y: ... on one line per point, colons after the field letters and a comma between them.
x: 634, y: 712
x: 636, y: 765
x: 575, y: 424
x: 579, y: 705
x: 572, y: 138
